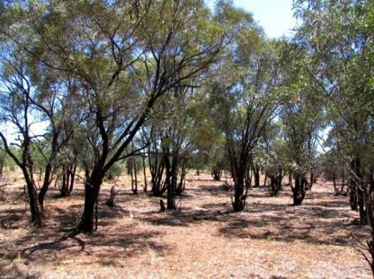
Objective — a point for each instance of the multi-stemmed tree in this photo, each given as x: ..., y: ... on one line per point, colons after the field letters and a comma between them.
x: 244, y: 101
x: 338, y: 36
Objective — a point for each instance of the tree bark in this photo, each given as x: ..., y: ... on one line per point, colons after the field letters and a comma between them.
x: 92, y: 188
x: 299, y: 189
x: 170, y: 182
x: 135, y: 177
x: 256, y: 173
x: 145, y: 176
x: 36, y: 213
x: 239, y: 197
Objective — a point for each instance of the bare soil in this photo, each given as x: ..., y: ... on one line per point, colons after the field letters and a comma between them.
x: 203, y: 239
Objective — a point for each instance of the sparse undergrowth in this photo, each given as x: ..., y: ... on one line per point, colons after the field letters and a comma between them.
x: 205, y: 239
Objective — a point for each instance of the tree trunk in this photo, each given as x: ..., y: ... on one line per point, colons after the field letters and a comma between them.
x: 353, y: 196
x: 135, y: 177
x: 217, y: 172
x: 361, y: 206
x: 279, y: 178
x: 157, y: 168
x: 68, y: 178
x: 256, y: 173
x: 92, y: 188
x: 145, y: 176
x: 1, y: 167
x: 239, y: 197
x: 357, y: 192
x: 272, y: 187
x: 46, y: 183
x: 170, y: 204
x: 181, y: 184
x: 299, y: 189
x: 72, y: 178
x: 36, y: 213
x: 336, y: 189
x: 312, y: 180
x: 275, y: 184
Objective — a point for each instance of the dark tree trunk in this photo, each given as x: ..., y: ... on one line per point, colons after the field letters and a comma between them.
x: 312, y: 180
x: 299, y: 189
x: 145, y: 176
x: 256, y: 174
x: 65, y: 182
x: 170, y: 182
x: 36, y: 213
x: 279, y: 181
x: 68, y: 179
x: 157, y: 168
x: 46, y: 183
x: 369, y: 201
x: 357, y: 184
x: 217, y: 172
x: 353, y: 202
x: 92, y: 188
x: 272, y: 187
x: 72, y: 179
x: 275, y: 184
x: 181, y: 184
x: 239, y: 196
x: 135, y: 191
x: 361, y: 206
x: 1, y: 167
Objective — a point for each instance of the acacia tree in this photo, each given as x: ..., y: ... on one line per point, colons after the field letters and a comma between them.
x: 339, y: 37
x: 22, y: 103
x: 177, y: 138
x: 122, y: 65
x: 301, y: 114
x: 334, y: 168
x: 66, y: 168
x: 271, y: 156
x: 217, y: 159
x: 244, y: 104
x: 343, y: 60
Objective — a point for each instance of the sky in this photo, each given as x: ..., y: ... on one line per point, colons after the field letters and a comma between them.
x: 275, y: 16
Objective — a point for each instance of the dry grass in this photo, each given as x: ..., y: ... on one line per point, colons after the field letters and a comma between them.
x: 204, y: 240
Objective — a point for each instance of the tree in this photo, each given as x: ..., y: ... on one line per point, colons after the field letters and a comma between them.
x: 244, y: 103
x: 24, y: 100
x: 271, y: 156
x: 301, y: 114
x: 122, y: 65
x: 338, y: 36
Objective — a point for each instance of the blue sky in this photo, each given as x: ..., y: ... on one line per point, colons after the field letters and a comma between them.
x: 275, y: 16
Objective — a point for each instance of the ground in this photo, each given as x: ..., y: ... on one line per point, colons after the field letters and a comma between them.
x: 203, y: 239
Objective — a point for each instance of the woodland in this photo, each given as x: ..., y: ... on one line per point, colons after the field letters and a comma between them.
x: 170, y: 139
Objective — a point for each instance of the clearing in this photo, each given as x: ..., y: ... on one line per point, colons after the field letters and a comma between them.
x: 205, y: 239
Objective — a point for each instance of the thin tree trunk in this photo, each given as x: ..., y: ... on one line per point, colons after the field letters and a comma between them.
x: 256, y: 173
x: 135, y: 176
x: 145, y: 176
x: 170, y: 205
x: 36, y: 213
